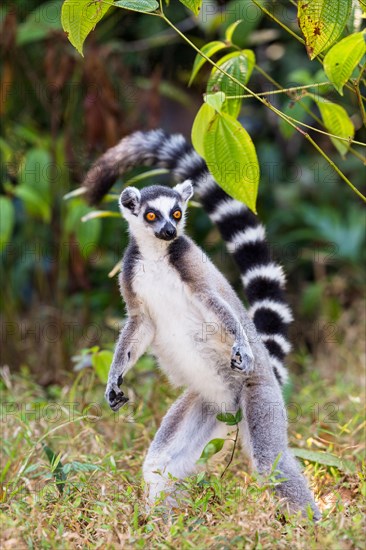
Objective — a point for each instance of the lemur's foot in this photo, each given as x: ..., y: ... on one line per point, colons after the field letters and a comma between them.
x: 242, y: 359
x: 114, y: 396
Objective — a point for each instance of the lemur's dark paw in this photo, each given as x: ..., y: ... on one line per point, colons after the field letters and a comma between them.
x: 114, y: 396
x: 242, y: 359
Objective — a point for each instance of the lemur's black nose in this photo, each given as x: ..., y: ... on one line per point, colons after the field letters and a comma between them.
x: 168, y: 232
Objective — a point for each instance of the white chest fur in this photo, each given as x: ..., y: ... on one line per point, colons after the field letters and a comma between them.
x: 186, y: 342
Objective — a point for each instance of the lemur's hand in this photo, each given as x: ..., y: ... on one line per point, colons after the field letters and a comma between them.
x: 114, y: 396
x: 242, y: 358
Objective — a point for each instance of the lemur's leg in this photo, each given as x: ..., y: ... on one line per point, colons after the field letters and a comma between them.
x: 133, y: 340
x: 184, y: 432
x: 264, y: 432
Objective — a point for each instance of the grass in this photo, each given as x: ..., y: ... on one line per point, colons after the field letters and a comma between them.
x: 71, y: 469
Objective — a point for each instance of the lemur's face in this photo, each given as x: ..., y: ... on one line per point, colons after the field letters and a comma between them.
x: 156, y: 211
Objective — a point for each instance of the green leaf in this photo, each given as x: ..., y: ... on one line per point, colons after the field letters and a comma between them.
x: 227, y: 418
x: 328, y: 459
x: 40, y: 23
x: 37, y: 172
x: 34, y: 204
x: 342, y: 59
x: 6, y: 220
x: 232, y: 159
x: 322, y: 22
x: 231, y: 29
x: 56, y: 466
x: 238, y: 65
x: 209, y: 50
x: 215, y: 100
x: 200, y: 127
x: 238, y: 416
x: 76, y: 466
x: 336, y: 121
x: 87, y: 234
x: 143, y: 6
x: 101, y: 362
x: 79, y: 17
x: 214, y: 446
x: 193, y: 5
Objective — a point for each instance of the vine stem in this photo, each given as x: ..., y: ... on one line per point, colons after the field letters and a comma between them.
x: 360, y: 102
x: 232, y: 452
x: 309, y: 111
x: 266, y: 103
x: 285, y: 27
x: 280, y: 91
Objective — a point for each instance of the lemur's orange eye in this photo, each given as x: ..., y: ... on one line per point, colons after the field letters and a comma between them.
x: 150, y: 216
x: 177, y: 214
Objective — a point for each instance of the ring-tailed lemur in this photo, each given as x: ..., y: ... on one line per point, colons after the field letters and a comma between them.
x: 200, y: 332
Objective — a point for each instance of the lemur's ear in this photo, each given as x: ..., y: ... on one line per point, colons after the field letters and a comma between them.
x: 130, y: 198
x: 185, y: 190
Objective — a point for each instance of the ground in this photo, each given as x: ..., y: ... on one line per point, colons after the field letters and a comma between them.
x: 92, y: 494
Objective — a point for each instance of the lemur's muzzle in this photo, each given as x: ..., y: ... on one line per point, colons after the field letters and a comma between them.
x: 168, y: 232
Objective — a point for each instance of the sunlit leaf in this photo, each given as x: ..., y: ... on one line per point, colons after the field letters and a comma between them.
x: 336, y: 121
x: 231, y: 29
x: 322, y: 22
x: 232, y: 159
x: 100, y: 214
x: 101, y: 362
x: 200, y: 127
x: 342, y: 59
x: 215, y: 100
x: 209, y: 50
x: 238, y: 65
x: 193, y: 5
x: 213, y: 447
x: 79, y: 17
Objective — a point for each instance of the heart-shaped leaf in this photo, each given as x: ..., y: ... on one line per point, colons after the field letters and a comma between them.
x: 238, y: 65
x: 232, y: 159
x: 342, y: 59
x: 79, y: 17
x: 200, y: 127
x: 322, y: 22
x: 336, y: 121
x: 193, y: 5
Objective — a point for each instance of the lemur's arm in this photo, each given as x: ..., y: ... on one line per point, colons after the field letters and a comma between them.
x: 242, y: 357
x: 133, y: 341
x: 135, y: 336
x: 212, y: 291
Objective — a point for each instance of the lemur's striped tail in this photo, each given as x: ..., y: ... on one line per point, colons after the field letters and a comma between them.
x: 245, y: 238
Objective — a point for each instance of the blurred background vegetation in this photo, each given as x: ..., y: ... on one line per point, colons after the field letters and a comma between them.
x: 61, y: 111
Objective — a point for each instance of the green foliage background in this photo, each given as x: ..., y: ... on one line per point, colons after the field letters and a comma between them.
x: 73, y: 479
